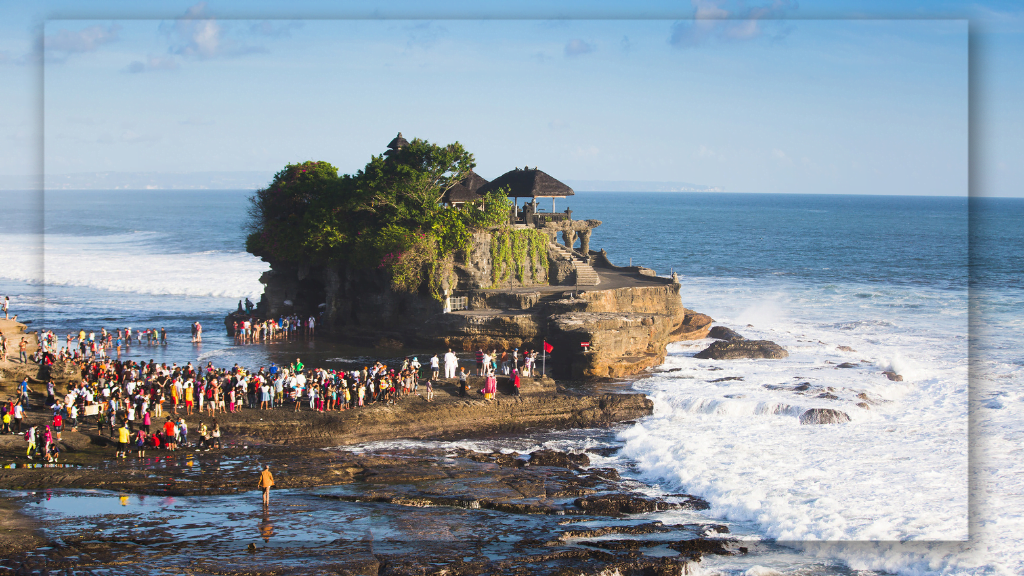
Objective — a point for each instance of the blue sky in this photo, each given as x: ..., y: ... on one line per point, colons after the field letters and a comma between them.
x: 755, y: 97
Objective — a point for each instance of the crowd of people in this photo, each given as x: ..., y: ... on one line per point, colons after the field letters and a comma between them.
x: 250, y: 330
x: 127, y: 399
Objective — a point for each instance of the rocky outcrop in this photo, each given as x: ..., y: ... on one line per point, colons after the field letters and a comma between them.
x: 723, y: 333
x: 824, y: 416
x: 619, y: 504
x: 627, y: 324
x: 736, y: 349
x: 558, y: 459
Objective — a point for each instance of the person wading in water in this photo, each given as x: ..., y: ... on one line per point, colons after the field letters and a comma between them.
x: 266, y: 481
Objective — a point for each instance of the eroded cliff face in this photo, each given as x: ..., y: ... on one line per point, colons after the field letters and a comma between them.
x: 627, y: 328
x: 359, y: 300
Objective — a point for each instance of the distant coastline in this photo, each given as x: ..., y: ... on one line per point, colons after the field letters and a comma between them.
x: 251, y: 180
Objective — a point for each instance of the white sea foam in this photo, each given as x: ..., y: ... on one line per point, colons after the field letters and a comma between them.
x: 896, y: 472
x: 130, y: 263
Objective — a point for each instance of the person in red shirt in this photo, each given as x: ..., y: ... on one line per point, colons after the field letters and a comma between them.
x: 58, y: 424
x: 169, y: 440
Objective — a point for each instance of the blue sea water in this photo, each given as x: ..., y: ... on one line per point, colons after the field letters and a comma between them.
x: 928, y: 287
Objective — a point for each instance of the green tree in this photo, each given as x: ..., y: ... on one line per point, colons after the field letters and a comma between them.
x: 388, y: 214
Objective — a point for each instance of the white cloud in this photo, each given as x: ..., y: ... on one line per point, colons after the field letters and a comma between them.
x: 712, y: 20
x: 153, y: 63
x: 578, y: 47
x: 199, y: 36
x: 59, y: 46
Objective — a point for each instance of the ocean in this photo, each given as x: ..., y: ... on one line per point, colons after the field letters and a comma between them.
x: 926, y: 477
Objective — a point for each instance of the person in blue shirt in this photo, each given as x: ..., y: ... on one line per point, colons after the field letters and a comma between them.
x: 24, y: 390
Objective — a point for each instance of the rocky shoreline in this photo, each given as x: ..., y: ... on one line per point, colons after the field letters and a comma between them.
x: 559, y: 513
x: 546, y: 513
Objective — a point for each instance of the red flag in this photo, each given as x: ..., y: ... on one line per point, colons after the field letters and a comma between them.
x: 548, y: 347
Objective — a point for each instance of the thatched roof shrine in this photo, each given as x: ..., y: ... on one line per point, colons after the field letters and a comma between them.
x: 466, y: 190
x: 528, y: 183
x: 397, y: 144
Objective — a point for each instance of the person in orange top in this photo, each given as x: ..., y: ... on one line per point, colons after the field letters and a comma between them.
x: 266, y: 481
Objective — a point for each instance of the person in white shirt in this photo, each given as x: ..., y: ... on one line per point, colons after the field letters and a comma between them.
x: 435, y: 367
x: 451, y: 363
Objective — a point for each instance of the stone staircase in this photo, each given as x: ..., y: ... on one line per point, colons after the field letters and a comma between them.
x: 585, y: 273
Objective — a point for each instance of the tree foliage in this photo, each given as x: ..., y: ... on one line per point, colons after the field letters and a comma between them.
x: 387, y: 215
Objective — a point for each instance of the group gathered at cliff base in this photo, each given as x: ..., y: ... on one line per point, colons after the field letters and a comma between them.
x: 144, y: 405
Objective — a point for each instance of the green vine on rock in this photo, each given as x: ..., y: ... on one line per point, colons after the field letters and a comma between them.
x: 522, y: 252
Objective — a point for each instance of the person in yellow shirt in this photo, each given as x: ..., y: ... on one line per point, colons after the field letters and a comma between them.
x: 266, y: 481
x: 122, y: 441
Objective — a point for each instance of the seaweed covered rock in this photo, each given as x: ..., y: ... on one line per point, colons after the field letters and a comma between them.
x: 559, y: 459
x: 619, y: 504
x: 736, y: 349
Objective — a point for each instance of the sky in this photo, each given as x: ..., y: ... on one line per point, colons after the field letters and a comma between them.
x: 815, y: 97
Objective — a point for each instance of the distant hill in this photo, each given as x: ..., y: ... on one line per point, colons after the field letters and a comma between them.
x: 142, y: 181
x: 252, y: 180
x: 638, y: 186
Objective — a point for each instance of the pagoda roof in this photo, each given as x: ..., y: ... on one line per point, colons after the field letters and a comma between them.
x: 528, y: 183
x: 396, y: 144
x: 466, y: 190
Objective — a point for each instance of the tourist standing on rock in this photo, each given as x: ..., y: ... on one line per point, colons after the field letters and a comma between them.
x: 479, y: 361
x: 19, y: 415
x: 451, y: 363
x: 215, y: 434
x: 140, y: 443
x: 491, y: 386
x: 266, y: 481
x: 7, y: 306
x: 435, y: 367
x: 24, y: 390
x: 430, y: 390
x: 23, y: 350
x: 463, y: 381
x: 30, y: 437
x: 515, y: 382
x: 123, y: 435
x: 506, y: 363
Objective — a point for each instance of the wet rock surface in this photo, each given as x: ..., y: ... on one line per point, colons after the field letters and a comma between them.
x: 824, y: 416
x: 390, y: 511
x: 737, y: 349
x: 723, y: 333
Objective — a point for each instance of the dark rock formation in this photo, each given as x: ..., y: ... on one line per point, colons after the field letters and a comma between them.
x: 824, y: 416
x: 845, y: 349
x: 559, y: 459
x: 628, y: 322
x: 734, y: 349
x: 847, y: 365
x: 723, y: 333
x: 893, y: 376
x: 619, y: 504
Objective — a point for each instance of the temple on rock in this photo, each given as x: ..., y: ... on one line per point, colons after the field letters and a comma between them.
x: 531, y: 279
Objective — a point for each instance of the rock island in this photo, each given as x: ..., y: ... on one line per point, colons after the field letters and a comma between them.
x: 418, y: 249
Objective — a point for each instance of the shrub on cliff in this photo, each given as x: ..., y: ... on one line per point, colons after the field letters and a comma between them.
x: 387, y: 215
